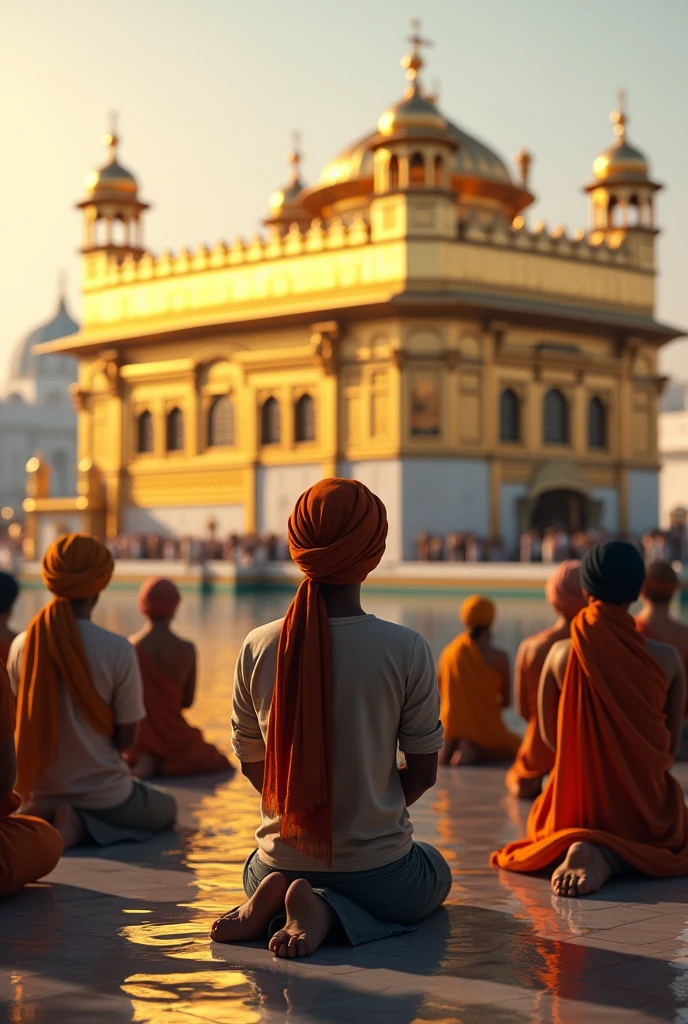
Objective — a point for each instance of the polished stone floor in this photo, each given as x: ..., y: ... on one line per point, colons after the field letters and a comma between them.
x: 122, y: 935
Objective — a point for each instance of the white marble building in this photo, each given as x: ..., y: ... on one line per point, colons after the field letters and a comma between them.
x: 36, y: 412
x: 673, y: 450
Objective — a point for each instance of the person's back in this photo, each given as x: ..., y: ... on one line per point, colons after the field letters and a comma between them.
x: 384, y: 691
x: 166, y: 743
x: 610, y: 704
x: 475, y: 687
x: 655, y: 620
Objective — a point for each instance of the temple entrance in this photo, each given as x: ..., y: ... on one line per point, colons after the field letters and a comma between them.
x: 565, y: 509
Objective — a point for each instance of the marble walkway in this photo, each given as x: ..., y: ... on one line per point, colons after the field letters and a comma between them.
x: 122, y: 935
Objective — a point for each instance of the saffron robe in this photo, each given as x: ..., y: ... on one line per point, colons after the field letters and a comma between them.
x: 610, y: 784
x: 165, y: 734
x: 29, y: 847
x: 471, y: 700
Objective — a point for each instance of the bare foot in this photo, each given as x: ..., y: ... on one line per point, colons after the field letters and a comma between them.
x: 250, y: 921
x: 69, y: 825
x: 309, y: 919
x: 465, y: 754
x: 146, y: 767
x: 584, y: 871
x: 524, y: 789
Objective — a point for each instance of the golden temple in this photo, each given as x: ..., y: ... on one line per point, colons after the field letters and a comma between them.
x: 399, y: 321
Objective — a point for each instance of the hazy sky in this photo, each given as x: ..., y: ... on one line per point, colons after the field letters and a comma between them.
x: 209, y: 92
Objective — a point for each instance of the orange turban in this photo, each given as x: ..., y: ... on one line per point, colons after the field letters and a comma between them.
x: 77, y: 566
x: 661, y: 582
x: 337, y: 535
x: 563, y: 589
x: 158, y: 598
x: 477, y: 612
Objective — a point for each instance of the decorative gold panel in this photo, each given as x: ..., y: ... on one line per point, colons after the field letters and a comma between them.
x: 183, y: 487
x: 470, y: 409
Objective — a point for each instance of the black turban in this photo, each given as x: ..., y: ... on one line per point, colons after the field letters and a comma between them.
x: 613, y: 572
x: 9, y: 590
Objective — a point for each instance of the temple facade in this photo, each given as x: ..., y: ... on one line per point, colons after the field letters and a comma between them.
x: 399, y: 321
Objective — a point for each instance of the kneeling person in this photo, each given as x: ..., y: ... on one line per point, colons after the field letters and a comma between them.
x: 611, y: 704
x: 321, y: 700
x: 79, y: 702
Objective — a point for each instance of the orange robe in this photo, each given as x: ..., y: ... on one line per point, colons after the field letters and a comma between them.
x: 165, y: 734
x: 534, y: 759
x: 471, y: 700
x: 643, y: 627
x: 29, y: 847
x: 610, y: 784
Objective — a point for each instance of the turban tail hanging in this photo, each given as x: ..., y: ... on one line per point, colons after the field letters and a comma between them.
x: 337, y: 535
x: 76, y: 567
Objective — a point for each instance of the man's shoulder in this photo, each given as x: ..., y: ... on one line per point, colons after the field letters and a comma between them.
x: 666, y: 655
x: 263, y: 637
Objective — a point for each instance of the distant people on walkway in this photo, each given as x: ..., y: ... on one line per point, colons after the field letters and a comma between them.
x: 29, y: 847
x: 535, y: 759
x: 79, y: 702
x: 166, y: 744
x: 475, y: 687
x: 612, y: 706
x: 321, y: 700
x: 655, y: 622
x: 9, y: 592
x: 245, y: 550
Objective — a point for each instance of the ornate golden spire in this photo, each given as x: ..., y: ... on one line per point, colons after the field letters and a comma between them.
x: 111, y: 140
x: 413, y: 61
x: 619, y: 118
x: 294, y: 158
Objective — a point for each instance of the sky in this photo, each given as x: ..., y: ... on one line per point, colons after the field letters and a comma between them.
x: 209, y: 92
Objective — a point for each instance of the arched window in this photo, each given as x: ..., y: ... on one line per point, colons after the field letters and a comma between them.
x: 270, y: 422
x: 555, y: 418
x: 221, y: 421
x: 304, y: 419
x: 597, y: 423
x: 144, y: 432
x: 393, y: 173
x: 439, y: 169
x: 175, y: 430
x: 426, y: 412
x: 417, y: 169
x: 509, y: 416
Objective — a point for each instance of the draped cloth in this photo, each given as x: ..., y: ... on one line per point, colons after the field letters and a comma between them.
x: 610, y: 784
x: 75, y: 567
x: 337, y: 533
x: 29, y: 847
x: 471, y: 699
x: 164, y: 733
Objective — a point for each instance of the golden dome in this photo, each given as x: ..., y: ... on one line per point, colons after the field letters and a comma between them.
x: 414, y: 111
x: 112, y: 178
x: 620, y: 160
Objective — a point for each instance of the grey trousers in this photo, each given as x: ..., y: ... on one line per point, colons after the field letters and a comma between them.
x: 374, y: 904
x: 146, y: 810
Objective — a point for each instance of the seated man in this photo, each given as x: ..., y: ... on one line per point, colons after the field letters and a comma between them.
x: 79, y: 702
x: 534, y: 759
x: 611, y: 703
x: 321, y: 700
x: 475, y: 686
x: 9, y: 592
x: 166, y: 743
x: 29, y: 847
x: 656, y: 623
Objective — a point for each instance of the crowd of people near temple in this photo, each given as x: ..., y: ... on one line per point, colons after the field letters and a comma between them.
x: 549, y: 546
x: 243, y: 549
x: 341, y: 721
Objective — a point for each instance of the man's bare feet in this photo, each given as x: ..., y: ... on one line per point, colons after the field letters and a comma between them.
x: 250, y: 921
x: 69, y: 825
x: 584, y: 871
x: 524, y: 789
x: 309, y: 919
x: 146, y: 767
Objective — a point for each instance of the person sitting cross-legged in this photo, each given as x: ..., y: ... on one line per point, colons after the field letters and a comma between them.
x: 322, y: 698
x: 79, y: 702
x: 166, y: 744
x: 611, y: 704
x: 475, y: 687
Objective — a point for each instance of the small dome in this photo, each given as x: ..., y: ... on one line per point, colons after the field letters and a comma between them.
x: 112, y: 178
x: 284, y: 202
x: 620, y: 160
x: 414, y: 111
x: 26, y: 364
